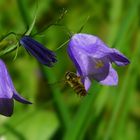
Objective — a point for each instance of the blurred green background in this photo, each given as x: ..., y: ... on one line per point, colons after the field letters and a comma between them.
x: 57, y: 113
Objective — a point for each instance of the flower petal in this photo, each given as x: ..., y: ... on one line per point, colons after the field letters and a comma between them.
x: 91, y: 44
x: 19, y: 98
x: 111, y: 79
x: 118, y: 58
x: 44, y: 55
x: 74, y: 56
x: 6, y: 87
x: 94, y: 46
x: 97, y: 69
x: 6, y: 106
x: 87, y: 83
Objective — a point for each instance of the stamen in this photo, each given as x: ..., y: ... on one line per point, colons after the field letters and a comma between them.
x: 99, y: 64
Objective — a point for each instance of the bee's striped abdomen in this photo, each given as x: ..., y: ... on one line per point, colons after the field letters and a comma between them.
x: 79, y: 88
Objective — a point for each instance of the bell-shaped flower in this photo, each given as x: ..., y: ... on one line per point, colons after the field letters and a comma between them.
x: 7, y: 92
x: 42, y: 54
x: 93, y: 59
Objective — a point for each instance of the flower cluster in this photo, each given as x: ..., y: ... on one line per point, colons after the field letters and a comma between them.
x: 7, y: 91
x: 91, y: 56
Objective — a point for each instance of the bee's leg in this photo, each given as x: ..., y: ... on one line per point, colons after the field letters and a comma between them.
x: 87, y: 94
x: 79, y: 79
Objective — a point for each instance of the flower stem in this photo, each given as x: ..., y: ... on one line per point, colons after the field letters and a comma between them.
x: 5, y: 36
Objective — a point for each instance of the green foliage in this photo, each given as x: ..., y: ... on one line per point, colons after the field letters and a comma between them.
x: 107, y: 113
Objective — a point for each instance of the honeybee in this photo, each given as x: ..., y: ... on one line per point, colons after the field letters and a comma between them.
x: 75, y: 82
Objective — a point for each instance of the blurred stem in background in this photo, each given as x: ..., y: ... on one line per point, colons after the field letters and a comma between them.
x: 129, y: 92
x: 61, y: 108
x: 132, y: 13
x: 81, y: 117
x: 115, y: 13
x: 23, y: 9
x: 125, y: 26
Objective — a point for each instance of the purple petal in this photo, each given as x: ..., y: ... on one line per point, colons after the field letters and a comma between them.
x: 97, y: 69
x: 73, y: 55
x: 87, y: 83
x: 111, y: 79
x: 94, y: 46
x: 6, y: 106
x: 19, y: 98
x: 118, y: 58
x: 90, y: 44
x: 6, y: 87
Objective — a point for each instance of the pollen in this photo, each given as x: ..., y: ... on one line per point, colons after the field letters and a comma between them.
x: 99, y: 64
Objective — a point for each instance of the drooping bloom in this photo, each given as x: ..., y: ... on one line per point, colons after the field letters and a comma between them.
x: 7, y: 92
x: 43, y: 55
x: 93, y: 59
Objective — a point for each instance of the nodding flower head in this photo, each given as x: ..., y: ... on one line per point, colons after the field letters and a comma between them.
x: 42, y: 54
x: 7, y: 92
x: 93, y: 59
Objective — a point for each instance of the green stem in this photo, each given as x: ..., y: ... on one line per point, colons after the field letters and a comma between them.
x: 62, y: 45
x: 53, y: 24
x: 5, y: 36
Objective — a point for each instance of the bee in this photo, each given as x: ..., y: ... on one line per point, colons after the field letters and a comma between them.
x: 75, y: 82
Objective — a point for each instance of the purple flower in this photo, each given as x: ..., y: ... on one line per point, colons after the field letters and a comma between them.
x: 44, y: 55
x: 93, y: 59
x: 7, y: 92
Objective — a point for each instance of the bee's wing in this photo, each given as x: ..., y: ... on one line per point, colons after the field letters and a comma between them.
x: 57, y: 83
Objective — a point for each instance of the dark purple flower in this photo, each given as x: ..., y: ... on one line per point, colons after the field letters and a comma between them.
x: 43, y: 55
x: 93, y: 59
x: 7, y: 92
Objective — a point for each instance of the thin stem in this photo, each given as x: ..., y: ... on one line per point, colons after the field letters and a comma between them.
x: 56, y: 23
x: 50, y: 25
x: 5, y: 36
x: 63, y: 112
x: 62, y: 45
x: 82, y: 27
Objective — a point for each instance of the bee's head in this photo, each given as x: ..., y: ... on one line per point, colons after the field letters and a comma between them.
x: 70, y: 75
